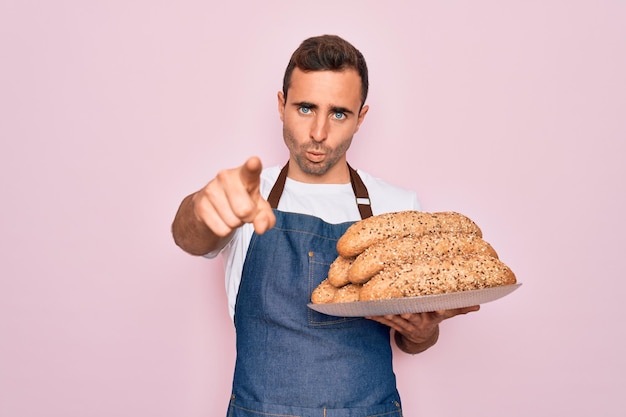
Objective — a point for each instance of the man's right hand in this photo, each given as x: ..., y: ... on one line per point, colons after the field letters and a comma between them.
x: 231, y: 199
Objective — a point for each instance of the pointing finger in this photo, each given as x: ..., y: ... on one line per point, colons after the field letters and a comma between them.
x: 250, y: 174
x: 265, y: 218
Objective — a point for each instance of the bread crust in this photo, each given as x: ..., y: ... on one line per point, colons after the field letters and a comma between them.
x: 338, y: 271
x: 371, y: 230
x: 324, y: 293
x: 347, y: 294
x: 401, y: 250
x: 430, y: 276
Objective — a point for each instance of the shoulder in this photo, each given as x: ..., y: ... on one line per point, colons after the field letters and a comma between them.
x: 386, y: 197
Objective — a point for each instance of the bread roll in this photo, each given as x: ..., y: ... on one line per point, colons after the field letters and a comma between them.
x: 347, y: 294
x: 429, y: 276
x: 338, y: 272
x: 371, y: 230
x: 410, y: 254
x: 324, y: 293
x: 400, y: 250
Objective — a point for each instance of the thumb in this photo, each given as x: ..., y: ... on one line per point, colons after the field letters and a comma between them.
x: 250, y: 174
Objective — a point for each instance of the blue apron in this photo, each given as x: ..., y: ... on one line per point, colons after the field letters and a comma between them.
x: 291, y: 360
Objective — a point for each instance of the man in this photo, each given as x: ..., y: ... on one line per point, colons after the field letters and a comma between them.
x: 277, y: 229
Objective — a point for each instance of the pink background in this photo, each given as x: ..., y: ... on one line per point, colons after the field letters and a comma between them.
x: 513, y: 113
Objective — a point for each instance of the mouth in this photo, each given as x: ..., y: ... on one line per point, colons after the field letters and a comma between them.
x: 314, y: 156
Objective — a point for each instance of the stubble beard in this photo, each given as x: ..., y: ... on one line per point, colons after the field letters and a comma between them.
x: 318, y: 169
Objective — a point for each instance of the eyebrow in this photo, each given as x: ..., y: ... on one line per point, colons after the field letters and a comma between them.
x: 306, y: 104
x: 335, y: 109
x: 332, y: 109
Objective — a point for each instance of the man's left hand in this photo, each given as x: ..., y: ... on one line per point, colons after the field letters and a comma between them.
x: 418, y: 331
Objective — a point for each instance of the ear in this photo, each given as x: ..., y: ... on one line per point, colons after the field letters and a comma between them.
x: 362, y: 114
x: 281, y: 106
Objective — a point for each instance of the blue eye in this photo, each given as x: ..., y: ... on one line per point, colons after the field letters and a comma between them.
x: 305, y: 110
x: 340, y: 116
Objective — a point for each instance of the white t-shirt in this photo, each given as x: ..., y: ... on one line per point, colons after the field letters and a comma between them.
x: 333, y: 203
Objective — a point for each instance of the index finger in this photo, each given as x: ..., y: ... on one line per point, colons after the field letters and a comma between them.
x: 250, y: 174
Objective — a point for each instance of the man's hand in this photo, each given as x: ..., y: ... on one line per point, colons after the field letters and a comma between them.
x: 233, y: 198
x: 417, y: 332
x: 208, y: 217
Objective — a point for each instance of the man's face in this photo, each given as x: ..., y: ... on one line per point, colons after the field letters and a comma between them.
x: 320, y: 117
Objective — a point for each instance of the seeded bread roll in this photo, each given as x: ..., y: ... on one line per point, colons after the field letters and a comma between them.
x: 437, y: 276
x: 401, y: 250
x: 324, y: 293
x: 338, y: 272
x: 347, y: 294
x: 371, y: 230
x: 410, y: 254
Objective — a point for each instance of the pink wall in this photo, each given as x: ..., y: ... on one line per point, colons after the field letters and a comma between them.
x: 111, y: 111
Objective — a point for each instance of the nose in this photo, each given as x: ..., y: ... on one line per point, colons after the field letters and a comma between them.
x: 319, y: 128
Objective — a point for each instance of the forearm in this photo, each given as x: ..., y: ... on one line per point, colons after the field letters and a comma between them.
x: 413, y: 347
x: 191, y: 234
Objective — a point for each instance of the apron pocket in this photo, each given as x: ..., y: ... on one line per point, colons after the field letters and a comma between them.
x: 319, y: 264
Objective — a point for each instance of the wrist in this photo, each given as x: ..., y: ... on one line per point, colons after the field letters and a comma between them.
x: 413, y: 347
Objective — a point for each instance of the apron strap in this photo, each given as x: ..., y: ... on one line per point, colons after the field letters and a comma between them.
x: 360, y: 191
x: 279, y: 186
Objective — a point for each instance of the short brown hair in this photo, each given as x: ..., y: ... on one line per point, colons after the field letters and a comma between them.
x: 327, y: 52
